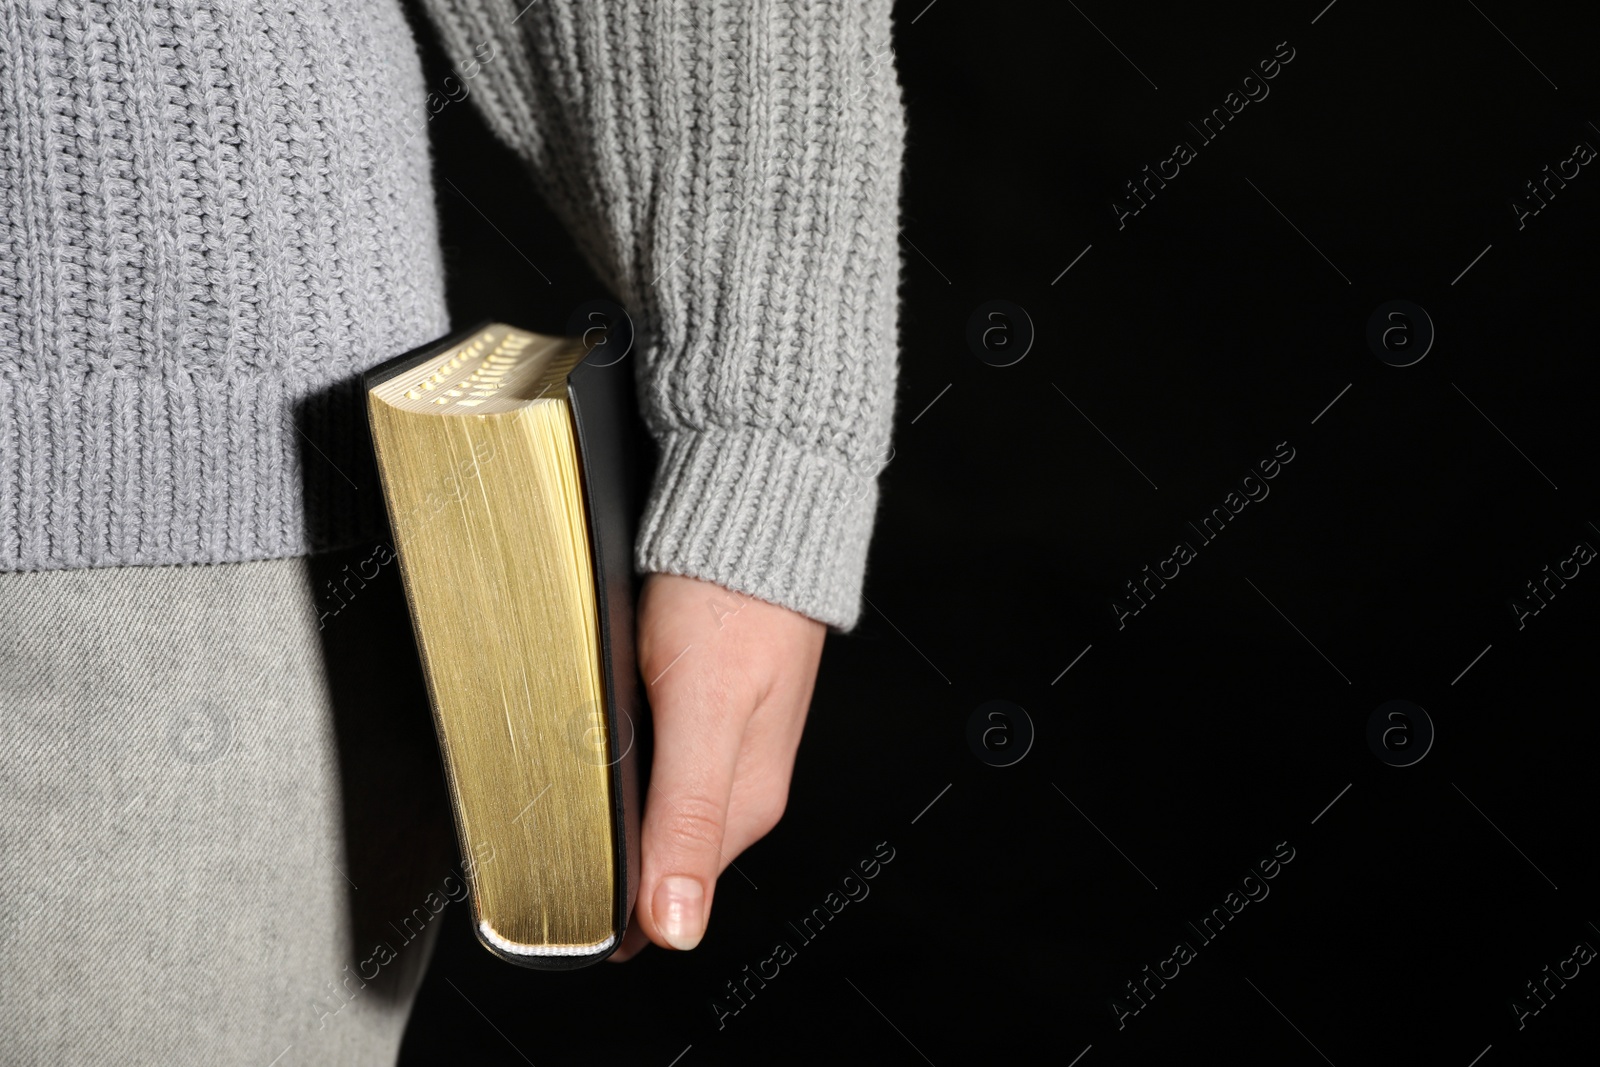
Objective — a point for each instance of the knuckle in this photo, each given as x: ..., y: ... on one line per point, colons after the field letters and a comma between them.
x: 769, y: 812
x: 692, y: 822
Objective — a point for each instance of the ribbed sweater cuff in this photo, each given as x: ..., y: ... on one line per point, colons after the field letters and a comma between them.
x: 749, y: 510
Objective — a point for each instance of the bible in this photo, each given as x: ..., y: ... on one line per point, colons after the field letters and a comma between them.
x: 508, y: 470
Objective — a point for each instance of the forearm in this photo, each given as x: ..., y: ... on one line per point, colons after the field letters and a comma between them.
x: 732, y: 172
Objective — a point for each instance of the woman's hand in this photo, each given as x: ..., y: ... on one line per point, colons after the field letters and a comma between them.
x: 729, y: 679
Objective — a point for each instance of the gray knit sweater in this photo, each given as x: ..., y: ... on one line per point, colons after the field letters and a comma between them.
x: 214, y: 213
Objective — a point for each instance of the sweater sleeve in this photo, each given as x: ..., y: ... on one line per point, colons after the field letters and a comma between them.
x: 731, y: 171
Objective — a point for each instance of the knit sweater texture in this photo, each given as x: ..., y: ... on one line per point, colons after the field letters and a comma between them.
x: 215, y: 214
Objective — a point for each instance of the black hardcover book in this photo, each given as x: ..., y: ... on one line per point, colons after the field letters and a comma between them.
x: 509, y: 463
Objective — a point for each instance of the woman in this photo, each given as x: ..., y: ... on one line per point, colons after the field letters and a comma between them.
x: 215, y: 214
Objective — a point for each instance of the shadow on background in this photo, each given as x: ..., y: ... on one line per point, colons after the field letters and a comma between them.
x: 399, y: 840
x: 400, y: 843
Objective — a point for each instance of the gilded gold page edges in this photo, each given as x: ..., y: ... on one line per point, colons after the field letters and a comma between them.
x: 501, y: 368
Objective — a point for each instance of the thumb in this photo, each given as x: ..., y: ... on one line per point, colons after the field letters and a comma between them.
x: 686, y: 813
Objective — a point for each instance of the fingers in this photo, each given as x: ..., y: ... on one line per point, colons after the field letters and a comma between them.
x: 699, y: 727
x: 755, y: 803
x: 728, y: 688
x: 686, y: 812
x: 766, y: 766
x: 633, y: 942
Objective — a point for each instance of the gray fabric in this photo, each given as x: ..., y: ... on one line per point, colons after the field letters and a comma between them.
x: 212, y: 214
x: 209, y: 217
x: 206, y: 832
x: 732, y: 172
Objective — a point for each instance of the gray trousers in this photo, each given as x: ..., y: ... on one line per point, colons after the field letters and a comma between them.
x: 223, y: 830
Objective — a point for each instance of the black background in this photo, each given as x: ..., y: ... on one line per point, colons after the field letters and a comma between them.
x: 1226, y: 716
